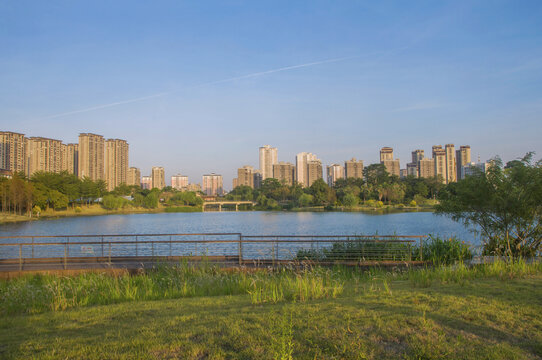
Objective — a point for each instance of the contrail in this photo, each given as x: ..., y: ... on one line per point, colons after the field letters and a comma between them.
x: 98, y: 107
x: 104, y: 106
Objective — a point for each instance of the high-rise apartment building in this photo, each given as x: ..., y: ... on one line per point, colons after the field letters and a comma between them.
x: 133, y: 177
x: 284, y: 172
x: 301, y: 162
x: 417, y: 155
x: 158, y: 177
x: 426, y: 168
x: 439, y: 157
x: 70, y: 158
x: 212, y: 184
x: 412, y: 169
x: 12, y: 151
x: 462, y: 158
x: 334, y: 172
x: 43, y: 154
x: 314, y: 171
x: 353, y: 169
x: 268, y: 157
x: 146, y: 182
x: 386, y: 159
x: 91, y: 156
x: 245, y: 176
x: 115, y: 163
x: 451, y: 166
x: 179, y: 182
x: 257, y: 179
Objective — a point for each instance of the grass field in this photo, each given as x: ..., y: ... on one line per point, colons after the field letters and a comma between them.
x: 491, y: 312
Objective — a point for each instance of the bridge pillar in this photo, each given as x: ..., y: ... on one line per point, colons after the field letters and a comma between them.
x: 236, y: 207
x: 219, y: 207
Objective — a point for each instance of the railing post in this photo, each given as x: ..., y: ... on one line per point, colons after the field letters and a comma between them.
x: 136, y: 245
x: 169, y: 245
x: 32, y: 247
x: 102, y: 246
x: 273, y: 253
x: 240, y: 249
x: 152, y: 247
x: 20, y: 257
x: 421, y: 248
x: 65, y: 256
x: 109, y: 253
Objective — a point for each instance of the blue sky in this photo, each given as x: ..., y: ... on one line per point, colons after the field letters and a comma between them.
x: 410, y: 75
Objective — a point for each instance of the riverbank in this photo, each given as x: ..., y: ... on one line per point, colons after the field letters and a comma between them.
x: 99, y: 210
x: 489, y: 312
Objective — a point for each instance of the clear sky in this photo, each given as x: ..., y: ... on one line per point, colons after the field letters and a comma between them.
x: 191, y: 86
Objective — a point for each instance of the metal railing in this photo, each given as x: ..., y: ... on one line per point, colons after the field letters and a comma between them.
x: 231, y: 248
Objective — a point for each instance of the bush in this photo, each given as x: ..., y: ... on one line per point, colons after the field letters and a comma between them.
x: 413, y: 203
x: 443, y: 252
x: 78, y: 209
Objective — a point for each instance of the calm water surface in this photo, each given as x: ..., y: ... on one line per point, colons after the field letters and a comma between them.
x: 248, y: 223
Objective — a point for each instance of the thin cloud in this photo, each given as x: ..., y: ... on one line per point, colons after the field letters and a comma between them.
x: 256, y: 74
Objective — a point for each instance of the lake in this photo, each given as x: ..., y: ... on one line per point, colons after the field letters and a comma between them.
x: 249, y: 223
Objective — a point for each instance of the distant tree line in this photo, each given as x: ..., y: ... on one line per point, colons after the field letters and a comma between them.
x: 54, y: 191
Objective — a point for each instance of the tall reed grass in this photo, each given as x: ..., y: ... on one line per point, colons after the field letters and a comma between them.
x: 40, y: 293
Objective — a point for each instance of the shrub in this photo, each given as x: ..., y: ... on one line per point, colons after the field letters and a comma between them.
x: 413, y: 203
x: 445, y: 251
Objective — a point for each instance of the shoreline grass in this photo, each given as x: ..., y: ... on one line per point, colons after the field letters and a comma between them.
x: 41, y: 293
x: 484, y: 312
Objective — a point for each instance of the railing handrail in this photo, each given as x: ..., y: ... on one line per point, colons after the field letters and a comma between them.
x: 196, y: 241
x: 214, y: 234
x: 111, y: 235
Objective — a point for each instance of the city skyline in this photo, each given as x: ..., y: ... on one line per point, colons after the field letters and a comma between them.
x: 108, y: 160
x: 339, y: 81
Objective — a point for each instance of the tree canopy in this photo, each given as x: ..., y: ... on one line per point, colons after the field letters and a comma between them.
x: 504, y: 202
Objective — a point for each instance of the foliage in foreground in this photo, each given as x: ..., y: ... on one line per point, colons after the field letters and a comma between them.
x: 504, y: 202
x: 436, y: 250
x: 41, y: 293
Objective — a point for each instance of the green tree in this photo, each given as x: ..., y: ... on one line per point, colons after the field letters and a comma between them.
x: 322, y: 193
x: 350, y: 200
x: 506, y: 205
x: 305, y: 200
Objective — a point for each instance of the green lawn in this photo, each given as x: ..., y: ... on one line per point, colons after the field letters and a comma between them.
x: 483, y: 317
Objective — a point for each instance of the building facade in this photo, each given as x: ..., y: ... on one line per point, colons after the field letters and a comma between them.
x: 284, y: 172
x: 179, y: 182
x: 212, y: 185
x: 268, y: 157
x: 115, y: 163
x: 314, y: 171
x: 301, y: 163
x: 412, y: 169
x: 91, y: 156
x: 43, y: 154
x: 146, y: 182
x: 353, y: 169
x: 386, y: 159
x: 426, y: 168
x: 334, y: 172
x: 462, y: 157
x: 245, y: 176
x: 12, y: 151
x: 439, y: 157
x: 451, y: 166
x: 133, y: 177
x: 70, y: 158
x: 158, y: 177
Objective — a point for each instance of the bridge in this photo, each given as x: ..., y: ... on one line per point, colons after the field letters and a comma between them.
x: 222, y: 203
